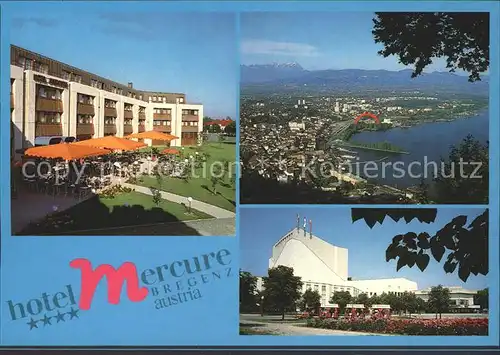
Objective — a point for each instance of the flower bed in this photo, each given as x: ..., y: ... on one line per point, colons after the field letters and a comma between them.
x: 448, y: 326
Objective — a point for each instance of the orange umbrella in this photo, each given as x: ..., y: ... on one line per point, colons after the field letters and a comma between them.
x: 66, y: 151
x: 112, y: 143
x: 170, y: 151
x: 153, y: 135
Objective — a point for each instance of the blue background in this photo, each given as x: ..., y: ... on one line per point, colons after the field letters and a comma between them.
x: 32, y: 265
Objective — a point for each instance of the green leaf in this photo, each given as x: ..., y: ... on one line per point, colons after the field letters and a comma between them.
x: 459, y: 221
x: 463, y: 272
x: 401, y: 263
x: 450, y: 266
x: 437, y: 249
x: 409, y: 239
x: 422, y: 261
x: 423, y: 241
x: 391, y: 252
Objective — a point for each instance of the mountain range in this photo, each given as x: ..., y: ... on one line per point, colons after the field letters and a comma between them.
x: 293, y: 75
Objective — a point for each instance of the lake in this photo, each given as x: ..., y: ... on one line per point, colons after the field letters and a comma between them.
x: 426, y: 143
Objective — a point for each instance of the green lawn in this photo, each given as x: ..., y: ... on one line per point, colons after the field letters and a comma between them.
x: 125, y: 209
x: 200, y: 187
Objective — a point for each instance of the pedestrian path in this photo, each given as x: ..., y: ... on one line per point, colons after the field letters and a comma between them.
x: 211, y: 210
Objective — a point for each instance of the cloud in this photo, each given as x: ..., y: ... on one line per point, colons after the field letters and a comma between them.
x: 20, y: 22
x: 278, y: 48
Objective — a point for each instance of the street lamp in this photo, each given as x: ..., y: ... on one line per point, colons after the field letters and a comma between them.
x: 262, y: 306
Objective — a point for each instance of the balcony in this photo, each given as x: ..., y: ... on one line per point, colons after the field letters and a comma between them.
x: 127, y: 129
x: 85, y: 129
x: 109, y: 129
x: 164, y: 129
x: 49, y: 105
x: 110, y: 112
x: 48, y: 129
x: 190, y: 118
x: 142, y: 126
x: 189, y: 129
x: 142, y: 115
x: 85, y: 109
x: 128, y: 114
x: 162, y: 116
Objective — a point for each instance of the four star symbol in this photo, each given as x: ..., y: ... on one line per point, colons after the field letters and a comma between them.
x: 46, y: 320
x: 32, y: 324
x: 60, y: 317
x: 73, y: 313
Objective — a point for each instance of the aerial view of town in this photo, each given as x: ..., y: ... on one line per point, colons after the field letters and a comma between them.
x: 378, y: 128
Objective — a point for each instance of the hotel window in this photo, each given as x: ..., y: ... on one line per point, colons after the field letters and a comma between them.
x: 21, y: 61
x: 323, y: 289
x: 140, y: 97
x: 168, y: 123
x: 28, y: 64
x: 41, y: 92
x: 85, y: 119
x: 308, y: 286
x: 154, y: 98
x: 48, y: 117
x: 77, y: 78
x: 316, y: 287
x: 42, y: 68
x: 66, y: 75
x: 181, y: 100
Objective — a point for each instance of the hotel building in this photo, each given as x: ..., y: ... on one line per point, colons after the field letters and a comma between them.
x: 323, y: 267
x: 50, y: 98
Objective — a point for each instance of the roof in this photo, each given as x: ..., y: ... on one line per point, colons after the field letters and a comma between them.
x: 223, y: 123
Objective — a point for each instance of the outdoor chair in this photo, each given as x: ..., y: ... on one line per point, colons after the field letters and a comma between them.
x: 31, y: 183
x: 57, y: 187
x: 84, y: 191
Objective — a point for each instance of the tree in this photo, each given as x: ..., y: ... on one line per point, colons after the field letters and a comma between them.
x: 459, y: 182
x: 418, y: 37
x: 467, y: 246
x: 342, y: 298
x: 482, y: 298
x: 282, y: 289
x: 310, y: 300
x: 364, y: 299
x: 409, y: 302
x: 231, y: 128
x: 439, y: 300
x: 422, y: 193
x: 214, y: 128
x: 421, y: 305
x: 248, y: 291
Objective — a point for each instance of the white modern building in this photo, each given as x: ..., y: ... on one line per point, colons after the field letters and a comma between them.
x: 50, y: 98
x: 323, y: 267
x: 461, y: 299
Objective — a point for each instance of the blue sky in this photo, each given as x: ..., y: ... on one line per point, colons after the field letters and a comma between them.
x: 261, y: 228
x: 156, y: 49
x: 330, y: 40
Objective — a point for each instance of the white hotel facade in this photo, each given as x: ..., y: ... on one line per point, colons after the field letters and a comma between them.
x: 323, y: 267
x: 50, y: 98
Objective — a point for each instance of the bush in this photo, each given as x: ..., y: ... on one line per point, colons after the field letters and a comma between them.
x: 449, y: 326
x: 112, y: 191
